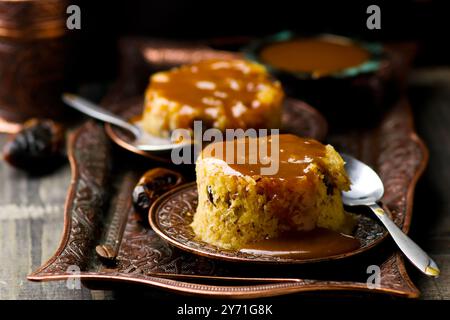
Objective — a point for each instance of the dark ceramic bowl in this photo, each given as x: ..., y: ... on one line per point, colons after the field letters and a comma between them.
x: 351, y: 97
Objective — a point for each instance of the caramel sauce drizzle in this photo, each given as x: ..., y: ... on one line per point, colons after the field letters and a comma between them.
x: 295, y: 154
x: 214, y: 87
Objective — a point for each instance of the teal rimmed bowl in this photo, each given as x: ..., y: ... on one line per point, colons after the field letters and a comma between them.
x: 377, y: 56
x: 351, y: 97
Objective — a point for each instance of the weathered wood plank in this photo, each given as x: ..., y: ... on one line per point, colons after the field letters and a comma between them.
x: 31, y: 220
x: 430, y: 97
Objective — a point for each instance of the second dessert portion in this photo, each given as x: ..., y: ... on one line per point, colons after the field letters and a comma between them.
x: 238, y: 205
x: 221, y: 93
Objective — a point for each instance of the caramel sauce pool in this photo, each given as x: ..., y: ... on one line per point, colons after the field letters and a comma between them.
x: 318, y: 243
x: 295, y: 154
x: 317, y: 56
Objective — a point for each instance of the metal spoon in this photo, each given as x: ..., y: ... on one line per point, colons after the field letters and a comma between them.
x: 366, y: 190
x: 143, y: 140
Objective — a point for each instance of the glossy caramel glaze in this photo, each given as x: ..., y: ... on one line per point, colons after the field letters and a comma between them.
x: 212, y: 89
x: 317, y: 56
x: 294, y: 154
x: 317, y: 243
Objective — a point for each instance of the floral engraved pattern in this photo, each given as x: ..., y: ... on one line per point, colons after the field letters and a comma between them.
x: 88, y: 194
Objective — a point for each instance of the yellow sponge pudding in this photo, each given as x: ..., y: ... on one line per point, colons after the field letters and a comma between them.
x: 221, y: 93
x: 238, y: 205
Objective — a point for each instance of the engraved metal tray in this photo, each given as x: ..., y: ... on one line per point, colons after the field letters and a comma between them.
x: 98, y: 210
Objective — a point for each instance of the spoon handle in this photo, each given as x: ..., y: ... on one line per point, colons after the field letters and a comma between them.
x: 412, y: 251
x: 97, y: 112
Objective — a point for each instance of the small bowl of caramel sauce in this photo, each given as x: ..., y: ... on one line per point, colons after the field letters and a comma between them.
x: 331, y: 72
x: 315, y: 57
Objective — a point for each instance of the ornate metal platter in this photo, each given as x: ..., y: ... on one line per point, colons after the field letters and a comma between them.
x: 99, y: 211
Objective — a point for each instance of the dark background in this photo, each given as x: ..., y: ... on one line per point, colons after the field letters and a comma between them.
x: 104, y: 22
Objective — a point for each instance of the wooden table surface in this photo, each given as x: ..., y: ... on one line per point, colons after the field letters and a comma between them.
x: 31, y: 209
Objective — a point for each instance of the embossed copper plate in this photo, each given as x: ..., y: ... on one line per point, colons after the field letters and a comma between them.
x: 172, y: 214
x: 298, y: 117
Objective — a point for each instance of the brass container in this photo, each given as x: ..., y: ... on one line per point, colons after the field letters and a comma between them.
x: 32, y: 58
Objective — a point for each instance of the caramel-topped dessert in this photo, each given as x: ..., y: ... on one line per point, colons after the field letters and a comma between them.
x: 318, y: 56
x: 255, y: 189
x: 221, y: 93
